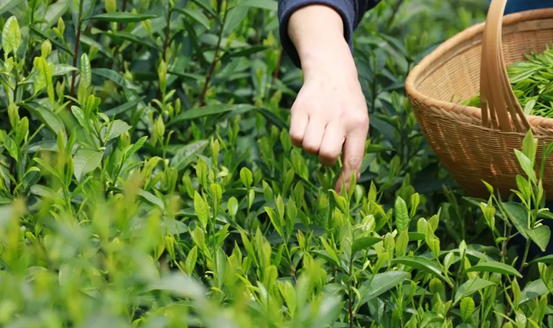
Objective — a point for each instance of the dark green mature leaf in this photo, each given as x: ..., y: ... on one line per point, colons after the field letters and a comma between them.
x: 49, y: 118
x: 114, y: 76
x: 381, y: 283
x: 423, y: 264
x: 120, y: 36
x: 548, y: 259
x: 472, y: 286
x: 262, y: 4
x: 364, y: 243
x: 496, y: 267
x: 518, y: 215
x: 124, y: 107
x: 7, y: 5
x: 205, y: 111
x: 541, y: 236
x: 151, y: 198
x: 120, y: 17
x: 86, y: 161
x: 196, y: 15
x: 533, y: 290
x: 187, y: 154
x: 52, y: 39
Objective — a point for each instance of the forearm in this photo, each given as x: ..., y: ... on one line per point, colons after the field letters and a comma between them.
x: 317, y: 32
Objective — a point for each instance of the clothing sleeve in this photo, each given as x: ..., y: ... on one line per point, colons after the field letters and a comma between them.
x: 351, y: 11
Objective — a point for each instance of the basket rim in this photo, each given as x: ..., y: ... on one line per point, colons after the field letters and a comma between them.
x: 464, y: 36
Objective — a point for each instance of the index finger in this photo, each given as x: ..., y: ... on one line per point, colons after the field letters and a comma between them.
x: 352, y: 157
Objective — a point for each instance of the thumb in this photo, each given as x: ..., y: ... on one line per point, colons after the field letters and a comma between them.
x: 352, y: 158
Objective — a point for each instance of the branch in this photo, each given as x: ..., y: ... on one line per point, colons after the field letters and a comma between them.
x: 215, y: 59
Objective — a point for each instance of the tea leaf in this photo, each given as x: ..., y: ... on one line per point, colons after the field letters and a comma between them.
x: 421, y: 263
x: 379, y: 284
x: 120, y: 17
x: 7, y: 5
x: 11, y: 36
x: 467, y: 308
x: 86, y: 161
x: 472, y: 286
x: 201, y: 209
x: 364, y: 243
x: 196, y: 15
x: 497, y: 267
x: 402, y: 215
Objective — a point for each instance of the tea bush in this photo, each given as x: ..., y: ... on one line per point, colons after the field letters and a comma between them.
x: 148, y: 180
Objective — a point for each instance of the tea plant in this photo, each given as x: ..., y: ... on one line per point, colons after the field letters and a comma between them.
x: 148, y: 180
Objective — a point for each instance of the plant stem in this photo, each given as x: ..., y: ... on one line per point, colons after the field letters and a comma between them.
x: 526, y: 251
x: 215, y: 59
x: 76, y: 52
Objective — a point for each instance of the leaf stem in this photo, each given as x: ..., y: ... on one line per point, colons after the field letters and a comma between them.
x: 215, y: 58
x: 76, y: 52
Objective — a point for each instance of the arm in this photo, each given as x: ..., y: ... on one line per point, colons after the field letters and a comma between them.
x: 329, y: 116
x: 350, y: 13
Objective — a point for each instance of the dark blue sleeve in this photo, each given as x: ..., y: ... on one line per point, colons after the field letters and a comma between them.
x: 352, y: 12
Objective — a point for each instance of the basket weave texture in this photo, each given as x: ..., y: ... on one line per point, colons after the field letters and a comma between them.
x: 470, y: 150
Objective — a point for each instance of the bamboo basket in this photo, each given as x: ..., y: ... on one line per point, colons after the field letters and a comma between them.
x: 477, y: 144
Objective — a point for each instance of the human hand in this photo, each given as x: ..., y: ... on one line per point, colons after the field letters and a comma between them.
x: 329, y: 116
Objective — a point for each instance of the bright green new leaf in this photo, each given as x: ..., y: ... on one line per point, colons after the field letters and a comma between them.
x: 402, y: 215
x: 11, y: 36
x: 467, y: 308
x: 201, y: 208
x: 526, y: 165
x: 533, y: 290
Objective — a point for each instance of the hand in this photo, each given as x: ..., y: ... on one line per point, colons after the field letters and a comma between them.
x: 330, y: 115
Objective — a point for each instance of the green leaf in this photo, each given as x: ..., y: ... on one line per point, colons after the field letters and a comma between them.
x: 196, y: 15
x: 541, y: 236
x: 202, y: 211
x: 496, y: 267
x: 52, y: 39
x: 120, y: 17
x: 124, y: 107
x: 518, y: 215
x: 151, y: 198
x: 86, y: 161
x: 7, y: 5
x: 86, y: 76
x: 548, y: 259
x: 205, y: 111
x: 114, y: 76
x: 467, y: 308
x: 187, y: 154
x: 52, y: 121
x: 471, y: 286
x: 120, y: 36
x: 526, y: 165
x: 533, y: 290
x: 380, y: 283
x: 79, y: 115
x: 11, y: 36
x: 402, y: 215
x: 423, y: 264
x: 117, y: 128
x: 246, y: 176
x: 364, y: 243
x: 261, y: 4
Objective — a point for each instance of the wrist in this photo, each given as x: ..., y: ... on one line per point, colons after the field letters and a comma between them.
x: 317, y: 32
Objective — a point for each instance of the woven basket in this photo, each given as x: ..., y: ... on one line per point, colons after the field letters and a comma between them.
x: 477, y: 144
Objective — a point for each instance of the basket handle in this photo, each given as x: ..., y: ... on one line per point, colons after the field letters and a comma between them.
x: 497, y: 97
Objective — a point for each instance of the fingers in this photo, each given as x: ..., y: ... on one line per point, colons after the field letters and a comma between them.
x: 299, y: 120
x: 332, y: 143
x: 354, y: 151
x: 313, y: 135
